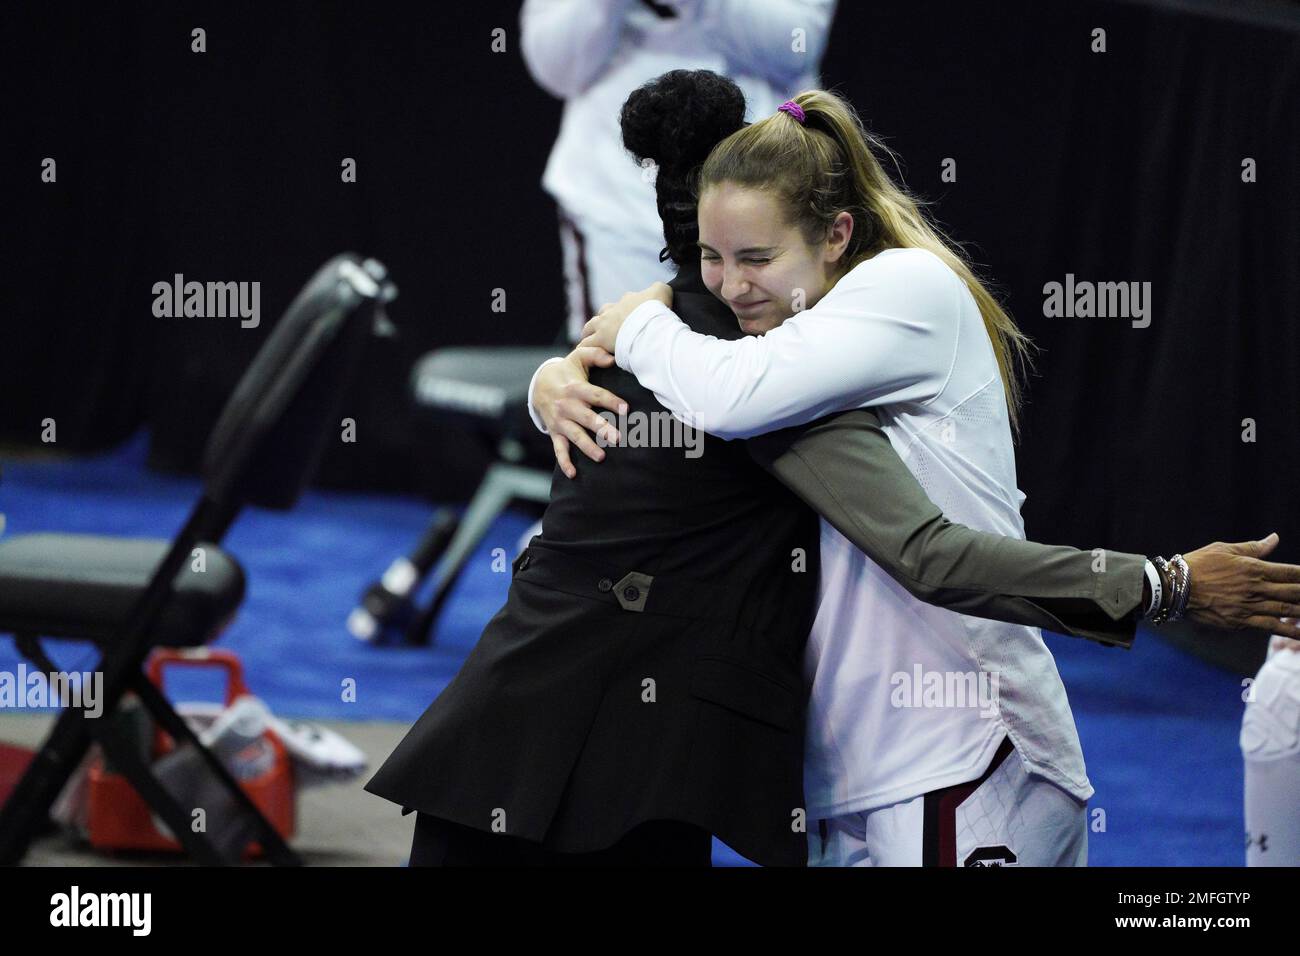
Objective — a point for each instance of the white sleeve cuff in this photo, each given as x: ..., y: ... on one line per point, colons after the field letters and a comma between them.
x: 532, y: 383
x: 639, y: 318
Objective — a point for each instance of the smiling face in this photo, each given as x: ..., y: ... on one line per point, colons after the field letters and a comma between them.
x: 755, y: 261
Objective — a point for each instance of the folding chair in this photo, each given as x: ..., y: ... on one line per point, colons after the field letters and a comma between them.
x: 128, y: 596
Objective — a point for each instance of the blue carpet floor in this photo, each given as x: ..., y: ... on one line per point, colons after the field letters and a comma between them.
x: 1159, y: 728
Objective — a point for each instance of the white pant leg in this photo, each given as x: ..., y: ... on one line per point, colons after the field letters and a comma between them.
x: 1009, y: 817
x: 1270, y: 746
x: 602, y: 264
x: 895, y: 835
x: 838, y: 841
x: 886, y: 836
x: 1017, y: 818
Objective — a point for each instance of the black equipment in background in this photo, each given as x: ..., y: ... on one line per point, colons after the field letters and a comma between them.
x: 128, y: 596
x: 488, y: 388
x: 387, y: 604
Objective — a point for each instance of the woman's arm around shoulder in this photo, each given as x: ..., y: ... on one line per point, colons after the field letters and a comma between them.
x: 886, y: 332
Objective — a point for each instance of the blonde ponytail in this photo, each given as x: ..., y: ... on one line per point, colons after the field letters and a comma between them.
x: 827, y: 164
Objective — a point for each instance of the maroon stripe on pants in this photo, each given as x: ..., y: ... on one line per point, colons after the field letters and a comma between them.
x: 939, y: 839
x: 581, y: 245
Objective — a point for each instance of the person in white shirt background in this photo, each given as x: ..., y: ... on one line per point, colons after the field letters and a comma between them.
x: 799, y: 222
x: 1270, y: 746
x: 592, y: 54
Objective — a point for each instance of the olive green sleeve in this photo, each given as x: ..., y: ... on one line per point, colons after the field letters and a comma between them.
x: 846, y: 469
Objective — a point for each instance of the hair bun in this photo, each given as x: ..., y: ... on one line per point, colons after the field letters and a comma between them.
x: 676, y: 119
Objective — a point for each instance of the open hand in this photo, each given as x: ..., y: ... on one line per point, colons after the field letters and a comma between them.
x: 566, y: 401
x: 1234, y: 588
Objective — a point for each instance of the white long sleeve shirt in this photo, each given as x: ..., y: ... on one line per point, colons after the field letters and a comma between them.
x: 593, y: 53
x: 902, y: 333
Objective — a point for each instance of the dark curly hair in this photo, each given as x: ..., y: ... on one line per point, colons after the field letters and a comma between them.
x: 675, y: 121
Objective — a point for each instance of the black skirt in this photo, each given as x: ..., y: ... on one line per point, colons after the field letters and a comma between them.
x: 439, y: 842
x: 575, y: 721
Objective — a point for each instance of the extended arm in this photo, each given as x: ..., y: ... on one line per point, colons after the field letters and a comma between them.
x: 846, y: 469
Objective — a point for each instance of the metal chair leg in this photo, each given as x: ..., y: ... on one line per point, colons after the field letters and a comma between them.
x: 28, y: 808
x: 502, y: 484
x: 138, y: 774
x: 20, y: 822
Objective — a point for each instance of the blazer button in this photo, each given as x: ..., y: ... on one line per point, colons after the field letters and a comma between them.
x: 604, y: 584
x: 633, y: 590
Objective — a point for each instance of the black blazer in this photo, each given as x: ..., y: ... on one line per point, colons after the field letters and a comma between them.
x: 647, y: 664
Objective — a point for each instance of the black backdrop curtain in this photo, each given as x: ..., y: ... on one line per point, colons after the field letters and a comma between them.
x: 224, y: 166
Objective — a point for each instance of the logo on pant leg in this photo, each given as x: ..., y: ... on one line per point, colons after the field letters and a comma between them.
x: 991, y: 856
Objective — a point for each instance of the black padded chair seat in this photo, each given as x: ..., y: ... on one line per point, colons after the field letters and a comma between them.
x: 482, y: 382
x: 84, y: 586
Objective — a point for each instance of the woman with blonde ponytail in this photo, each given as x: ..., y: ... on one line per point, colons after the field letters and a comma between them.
x: 824, y: 175
x: 933, y: 737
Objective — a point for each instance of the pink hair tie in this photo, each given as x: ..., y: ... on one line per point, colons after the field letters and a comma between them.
x: 793, y: 108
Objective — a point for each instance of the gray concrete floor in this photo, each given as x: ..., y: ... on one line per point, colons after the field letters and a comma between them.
x: 338, y: 825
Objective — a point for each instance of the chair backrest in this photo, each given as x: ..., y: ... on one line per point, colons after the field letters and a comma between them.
x: 272, y: 432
